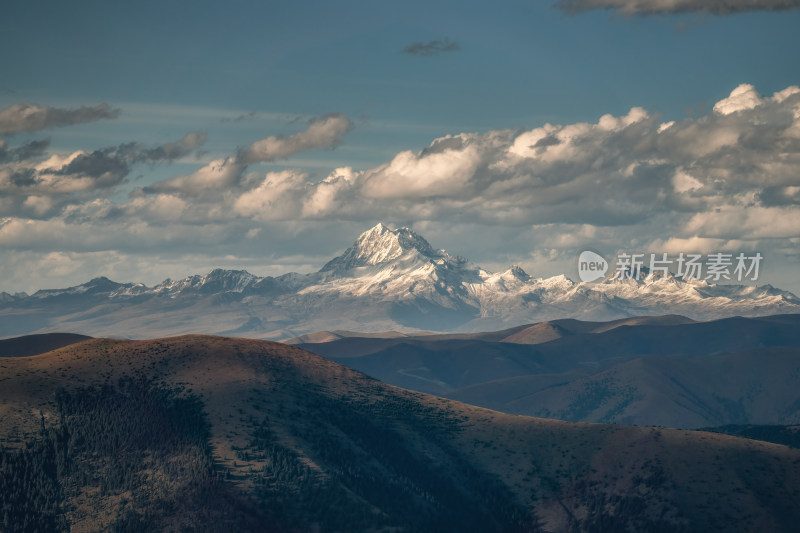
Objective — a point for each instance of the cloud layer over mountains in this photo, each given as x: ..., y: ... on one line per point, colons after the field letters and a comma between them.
x: 725, y: 180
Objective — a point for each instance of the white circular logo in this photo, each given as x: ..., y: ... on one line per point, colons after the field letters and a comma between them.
x: 591, y: 266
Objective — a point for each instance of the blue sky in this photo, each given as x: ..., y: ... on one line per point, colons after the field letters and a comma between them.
x: 240, y: 72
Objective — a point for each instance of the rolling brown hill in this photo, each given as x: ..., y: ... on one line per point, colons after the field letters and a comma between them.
x: 666, y: 371
x: 748, y: 387
x: 556, y: 329
x: 218, y: 434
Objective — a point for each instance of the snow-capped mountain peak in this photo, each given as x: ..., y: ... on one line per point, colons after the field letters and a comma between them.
x: 518, y: 273
x: 218, y: 280
x: 381, y: 244
x: 96, y: 286
x: 388, y: 279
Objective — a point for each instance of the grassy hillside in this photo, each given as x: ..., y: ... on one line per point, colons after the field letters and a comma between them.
x: 220, y: 434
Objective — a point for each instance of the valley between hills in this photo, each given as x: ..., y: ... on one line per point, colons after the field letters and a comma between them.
x: 210, y: 433
x: 658, y: 370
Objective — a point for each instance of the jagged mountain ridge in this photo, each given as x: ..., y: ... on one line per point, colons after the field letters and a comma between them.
x: 389, y: 279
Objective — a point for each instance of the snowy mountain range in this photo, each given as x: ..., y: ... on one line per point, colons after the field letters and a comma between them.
x: 388, y: 280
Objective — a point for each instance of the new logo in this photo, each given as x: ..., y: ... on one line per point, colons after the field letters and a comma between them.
x: 591, y: 266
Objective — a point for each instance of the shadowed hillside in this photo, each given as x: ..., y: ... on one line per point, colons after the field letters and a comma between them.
x: 666, y: 371
x: 220, y: 434
x: 36, y: 344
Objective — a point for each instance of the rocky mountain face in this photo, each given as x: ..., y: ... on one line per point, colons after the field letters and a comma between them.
x: 388, y: 280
